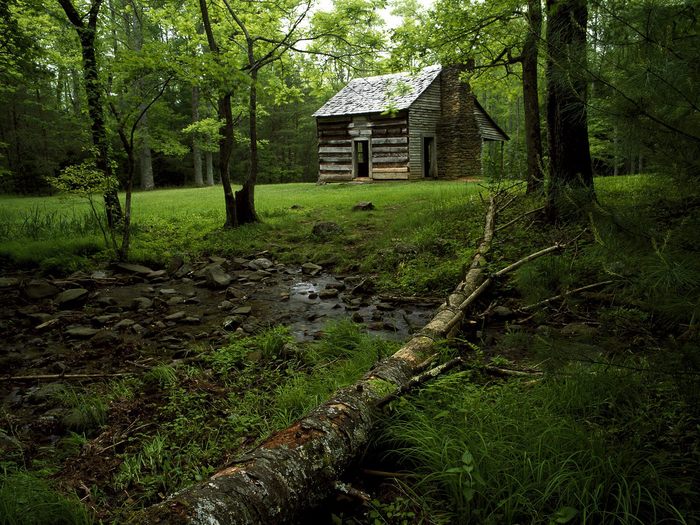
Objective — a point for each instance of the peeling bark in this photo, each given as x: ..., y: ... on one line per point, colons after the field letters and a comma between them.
x: 297, y: 468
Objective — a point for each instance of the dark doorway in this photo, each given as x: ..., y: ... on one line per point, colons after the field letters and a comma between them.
x: 428, y: 156
x: 361, y: 158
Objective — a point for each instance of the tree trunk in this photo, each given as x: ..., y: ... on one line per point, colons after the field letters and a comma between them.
x: 209, y: 162
x: 533, y: 132
x: 86, y: 34
x: 145, y: 159
x: 225, y: 116
x: 245, y: 197
x: 567, y: 125
x: 297, y: 468
x: 196, y: 153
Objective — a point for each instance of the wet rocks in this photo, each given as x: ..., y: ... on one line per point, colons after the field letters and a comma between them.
x: 311, y: 269
x: 328, y: 293
x: 141, y: 303
x: 175, y: 316
x: 216, y: 276
x: 8, y: 282
x: 40, y: 289
x: 72, y: 297
x: 137, y: 269
x: 81, y: 332
x: 260, y: 263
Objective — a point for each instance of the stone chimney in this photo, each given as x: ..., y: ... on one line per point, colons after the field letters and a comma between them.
x: 458, y: 138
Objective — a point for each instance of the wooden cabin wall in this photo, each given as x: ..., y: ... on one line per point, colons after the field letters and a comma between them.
x: 423, y: 117
x: 334, y: 149
x: 389, y: 146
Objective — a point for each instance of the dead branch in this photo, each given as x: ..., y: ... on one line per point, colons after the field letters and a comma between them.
x: 46, y: 377
x: 519, y: 217
x: 563, y: 295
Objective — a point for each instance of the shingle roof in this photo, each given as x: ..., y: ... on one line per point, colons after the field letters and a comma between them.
x: 377, y: 94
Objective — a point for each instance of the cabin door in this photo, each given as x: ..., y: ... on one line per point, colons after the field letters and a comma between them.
x: 361, y: 157
x: 428, y: 156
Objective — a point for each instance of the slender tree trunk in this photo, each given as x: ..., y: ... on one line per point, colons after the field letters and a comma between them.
x: 533, y: 132
x: 245, y: 197
x: 567, y: 125
x: 86, y: 34
x: 209, y: 162
x: 145, y: 158
x: 225, y: 116
x: 196, y: 153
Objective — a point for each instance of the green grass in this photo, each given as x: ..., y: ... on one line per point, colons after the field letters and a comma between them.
x: 586, y: 444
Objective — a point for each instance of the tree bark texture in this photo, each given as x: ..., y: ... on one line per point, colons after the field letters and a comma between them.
x: 297, y: 468
x: 245, y: 197
x: 209, y: 162
x: 567, y: 125
x: 533, y: 131
x: 145, y: 157
x: 87, y: 34
x: 196, y: 152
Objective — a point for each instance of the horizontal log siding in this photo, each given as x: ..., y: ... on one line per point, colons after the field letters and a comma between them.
x: 334, y: 149
x: 390, y: 147
x: 423, y: 117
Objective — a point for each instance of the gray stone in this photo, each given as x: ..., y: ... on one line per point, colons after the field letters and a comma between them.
x: 157, y: 274
x: 141, y: 303
x: 8, y: 282
x: 328, y: 293
x: 183, y: 271
x: 357, y: 317
x: 386, y: 307
x: 176, y: 299
x: 216, y: 276
x: 225, y: 305
x: 138, y: 269
x: 363, y: 206
x: 311, y: 268
x: 326, y: 229
x: 47, y: 324
x: 40, y: 289
x: 242, y: 310
x: 175, y: 317
x: 191, y: 319
x: 104, y: 338
x: 167, y: 291
x: 260, y: 263
x: 82, y: 332
x: 124, y: 324
x: 502, y: 311
x: 104, y: 319
x: 218, y: 260
x: 138, y: 329
x: 104, y: 300
x: 99, y: 274
x: 71, y: 297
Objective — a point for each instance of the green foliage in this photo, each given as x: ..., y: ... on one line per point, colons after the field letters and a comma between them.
x: 86, y: 411
x: 26, y: 499
x: 580, y: 445
x: 84, y: 180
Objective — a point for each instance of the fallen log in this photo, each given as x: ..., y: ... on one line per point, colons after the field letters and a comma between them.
x: 298, y: 467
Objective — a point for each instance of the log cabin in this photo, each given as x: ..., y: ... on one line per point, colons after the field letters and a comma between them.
x: 403, y: 127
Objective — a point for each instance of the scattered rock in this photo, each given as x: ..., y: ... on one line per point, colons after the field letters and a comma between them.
x: 183, y: 271
x: 104, y: 300
x: 46, y: 392
x: 365, y: 286
x: 175, y: 317
x: 218, y: 260
x: 357, y: 317
x: 501, y: 311
x: 137, y: 269
x: 104, y: 319
x: 191, y: 319
x: 40, y: 289
x: 216, y: 276
x: 326, y: 229
x: 141, y: 303
x: 105, y: 338
x: 8, y: 282
x: 99, y: 274
x: 138, y: 329
x: 71, y: 297
x: 81, y: 332
x: 47, y: 324
x: 157, y: 274
x: 167, y: 291
x: 328, y: 293
x: 124, y: 324
x: 225, y: 305
x: 363, y: 206
x: 311, y: 268
x: 242, y: 310
x: 260, y: 264
x: 313, y: 295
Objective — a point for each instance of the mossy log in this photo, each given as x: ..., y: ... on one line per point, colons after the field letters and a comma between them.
x: 297, y: 468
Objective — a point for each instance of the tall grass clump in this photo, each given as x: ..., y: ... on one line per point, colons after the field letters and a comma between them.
x: 586, y: 446
x: 26, y: 499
